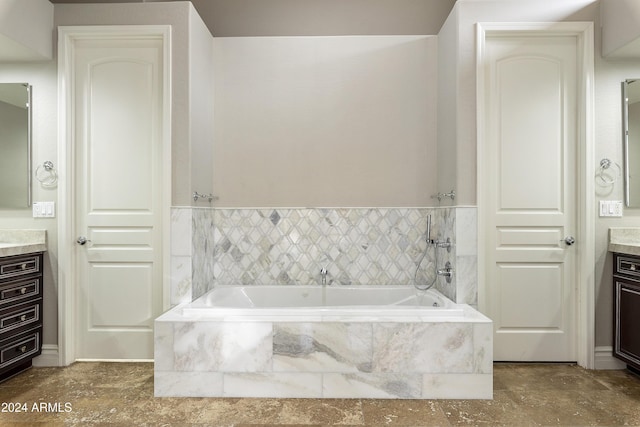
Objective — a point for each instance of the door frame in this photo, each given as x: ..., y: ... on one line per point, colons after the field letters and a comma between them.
x: 585, y: 169
x: 67, y: 37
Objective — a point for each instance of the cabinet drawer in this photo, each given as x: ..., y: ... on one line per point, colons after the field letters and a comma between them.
x: 20, y: 316
x: 627, y: 266
x: 19, y: 266
x: 627, y: 322
x: 17, y: 290
x: 20, y: 348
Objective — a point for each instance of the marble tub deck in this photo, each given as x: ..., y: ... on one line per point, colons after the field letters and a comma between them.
x: 121, y: 394
x: 320, y: 355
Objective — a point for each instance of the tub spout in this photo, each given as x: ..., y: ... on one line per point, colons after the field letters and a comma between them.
x: 323, y: 276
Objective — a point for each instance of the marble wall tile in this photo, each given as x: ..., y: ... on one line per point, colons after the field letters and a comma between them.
x: 219, y: 346
x: 163, y: 346
x: 483, y: 347
x: 466, y: 261
x: 187, y: 384
x: 276, y: 385
x: 290, y: 246
x: 203, y: 243
x: 181, y: 231
x: 466, y: 231
x: 467, y: 280
x: 457, y: 386
x: 322, y: 347
x: 423, y: 347
x: 444, y: 222
x: 181, y: 280
x: 180, y: 255
x: 372, y: 386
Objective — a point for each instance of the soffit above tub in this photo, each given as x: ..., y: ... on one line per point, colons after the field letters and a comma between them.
x: 237, y: 18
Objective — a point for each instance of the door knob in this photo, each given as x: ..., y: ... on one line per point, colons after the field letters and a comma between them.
x: 569, y: 240
x: 82, y: 240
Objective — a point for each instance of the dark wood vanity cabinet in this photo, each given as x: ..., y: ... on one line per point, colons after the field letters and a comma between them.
x: 626, y: 311
x: 20, y: 312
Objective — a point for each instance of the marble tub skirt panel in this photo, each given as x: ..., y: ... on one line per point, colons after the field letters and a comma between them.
x: 448, y: 359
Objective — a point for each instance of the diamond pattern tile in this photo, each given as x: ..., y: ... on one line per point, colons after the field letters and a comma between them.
x: 289, y: 246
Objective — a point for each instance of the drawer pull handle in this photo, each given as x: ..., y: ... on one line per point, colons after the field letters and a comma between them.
x: 23, y: 291
x: 24, y: 266
x: 23, y: 349
x: 23, y: 317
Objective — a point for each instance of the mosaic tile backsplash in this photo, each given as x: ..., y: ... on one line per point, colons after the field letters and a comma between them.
x: 358, y: 246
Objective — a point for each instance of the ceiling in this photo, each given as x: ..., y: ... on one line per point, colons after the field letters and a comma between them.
x: 234, y: 18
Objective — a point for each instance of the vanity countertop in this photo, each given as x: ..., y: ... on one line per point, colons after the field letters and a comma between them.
x: 624, y: 240
x: 18, y: 242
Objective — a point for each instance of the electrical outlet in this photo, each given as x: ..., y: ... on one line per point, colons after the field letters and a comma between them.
x: 44, y: 210
x: 611, y: 208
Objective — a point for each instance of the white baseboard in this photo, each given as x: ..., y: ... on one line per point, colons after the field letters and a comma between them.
x: 49, y: 356
x: 604, y: 359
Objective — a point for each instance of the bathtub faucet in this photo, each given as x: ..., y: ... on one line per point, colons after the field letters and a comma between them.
x: 447, y: 272
x: 323, y: 275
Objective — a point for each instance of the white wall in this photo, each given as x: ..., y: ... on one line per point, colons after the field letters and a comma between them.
x: 42, y: 76
x: 609, y: 75
x: 325, y: 121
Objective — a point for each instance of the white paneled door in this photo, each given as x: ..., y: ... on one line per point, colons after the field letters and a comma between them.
x: 531, y: 133
x: 117, y: 97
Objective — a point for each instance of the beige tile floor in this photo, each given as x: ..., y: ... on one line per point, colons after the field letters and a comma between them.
x: 113, y: 394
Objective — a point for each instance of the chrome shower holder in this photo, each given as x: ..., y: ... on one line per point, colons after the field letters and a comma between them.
x: 209, y: 197
x: 440, y: 196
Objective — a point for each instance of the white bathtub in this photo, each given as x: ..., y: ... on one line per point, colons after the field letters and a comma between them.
x: 253, y: 302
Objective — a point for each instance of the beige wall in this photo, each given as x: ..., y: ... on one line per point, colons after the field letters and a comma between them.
x: 176, y: 14
x: 447, y: 109
x: 200, y: 109
x: 325, y: 121
x: 26, y: 28
x: 620, y: 28
x: 233, y: 18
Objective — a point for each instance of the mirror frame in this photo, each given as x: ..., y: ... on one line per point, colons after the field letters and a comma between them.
x: 29, y: 144
x: 625, y: 139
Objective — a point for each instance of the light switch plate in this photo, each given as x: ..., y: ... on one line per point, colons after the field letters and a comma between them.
x: 611, y: 208
x: 44, y: 209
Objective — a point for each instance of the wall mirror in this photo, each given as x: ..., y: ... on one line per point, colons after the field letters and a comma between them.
x: 15, y: 145
x: 631, y: 138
